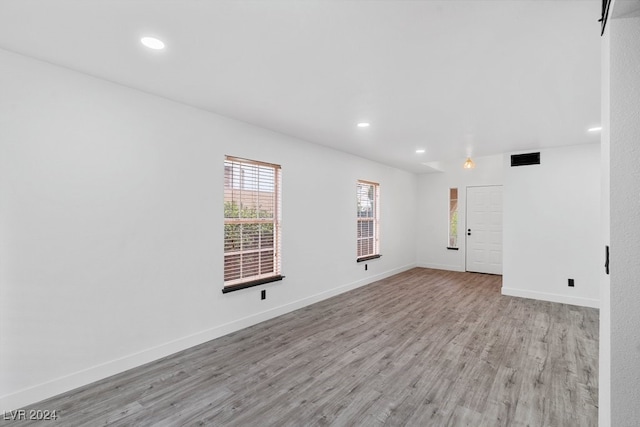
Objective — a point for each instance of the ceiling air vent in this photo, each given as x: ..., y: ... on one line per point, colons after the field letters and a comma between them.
x: 525, y: 159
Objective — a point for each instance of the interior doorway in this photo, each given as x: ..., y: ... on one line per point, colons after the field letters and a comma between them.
x: 484, y: 229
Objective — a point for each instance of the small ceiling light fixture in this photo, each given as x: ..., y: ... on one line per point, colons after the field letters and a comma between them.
x: 468, y: 164
x: 595, y: 129
x: 152, y: 43
x: 420, y: 150
x: 363, y: 125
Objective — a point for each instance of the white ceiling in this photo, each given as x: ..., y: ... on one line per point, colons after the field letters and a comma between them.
x: 453, y: 77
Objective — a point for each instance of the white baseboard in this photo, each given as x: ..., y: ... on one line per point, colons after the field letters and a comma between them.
x: 340, y: 289
x: 441, y: 267
x: 69, y: 382
x: 564, y: 299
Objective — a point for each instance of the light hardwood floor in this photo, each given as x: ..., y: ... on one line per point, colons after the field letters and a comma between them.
x: 422, y: 348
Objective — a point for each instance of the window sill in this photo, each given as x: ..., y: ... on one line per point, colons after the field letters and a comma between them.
x: 251, y: 284
x: 367, y: 258
x: 452, y: 249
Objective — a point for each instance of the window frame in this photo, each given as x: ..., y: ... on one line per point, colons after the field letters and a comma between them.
x: 374, y: 219
x: 238, y: 187
x: 453, y: 225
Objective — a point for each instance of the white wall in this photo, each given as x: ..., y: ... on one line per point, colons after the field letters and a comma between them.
x: 624, y: 139
x: 604, y: 354
x: 433, y: 209
x: 552, y: 227
x: 111, y: 227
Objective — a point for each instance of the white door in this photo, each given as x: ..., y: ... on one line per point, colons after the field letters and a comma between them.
x: 484, y: 229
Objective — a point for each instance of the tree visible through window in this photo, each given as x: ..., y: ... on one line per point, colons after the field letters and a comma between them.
x: 251, y: 221
x: 367, y: 219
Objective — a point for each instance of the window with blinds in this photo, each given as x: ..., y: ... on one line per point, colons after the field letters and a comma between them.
x: 368, y: 195
x: 251, y: 223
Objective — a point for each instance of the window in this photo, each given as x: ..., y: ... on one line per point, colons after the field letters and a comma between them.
x: 251, y: 223
x: 368, y: 196
x: 453, y: 218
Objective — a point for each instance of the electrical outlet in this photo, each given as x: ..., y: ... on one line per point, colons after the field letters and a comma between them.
x: 571, y: 283
x: 263, y: 294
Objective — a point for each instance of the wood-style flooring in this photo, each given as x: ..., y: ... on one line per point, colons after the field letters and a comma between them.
x: 422, y: 348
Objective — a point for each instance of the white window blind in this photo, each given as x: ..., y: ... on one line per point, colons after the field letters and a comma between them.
x: 368, y: 194
x: 251, y: 221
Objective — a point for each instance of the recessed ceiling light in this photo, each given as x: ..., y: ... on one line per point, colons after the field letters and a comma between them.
x: 152, y: 43
x: 363, y: 125
x: 595, y: 129
x: 420, y: 150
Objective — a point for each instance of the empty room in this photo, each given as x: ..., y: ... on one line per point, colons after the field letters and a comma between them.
x: 297, y: 213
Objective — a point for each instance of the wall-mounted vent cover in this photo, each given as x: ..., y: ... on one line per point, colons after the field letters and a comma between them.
x: 525, y: 159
